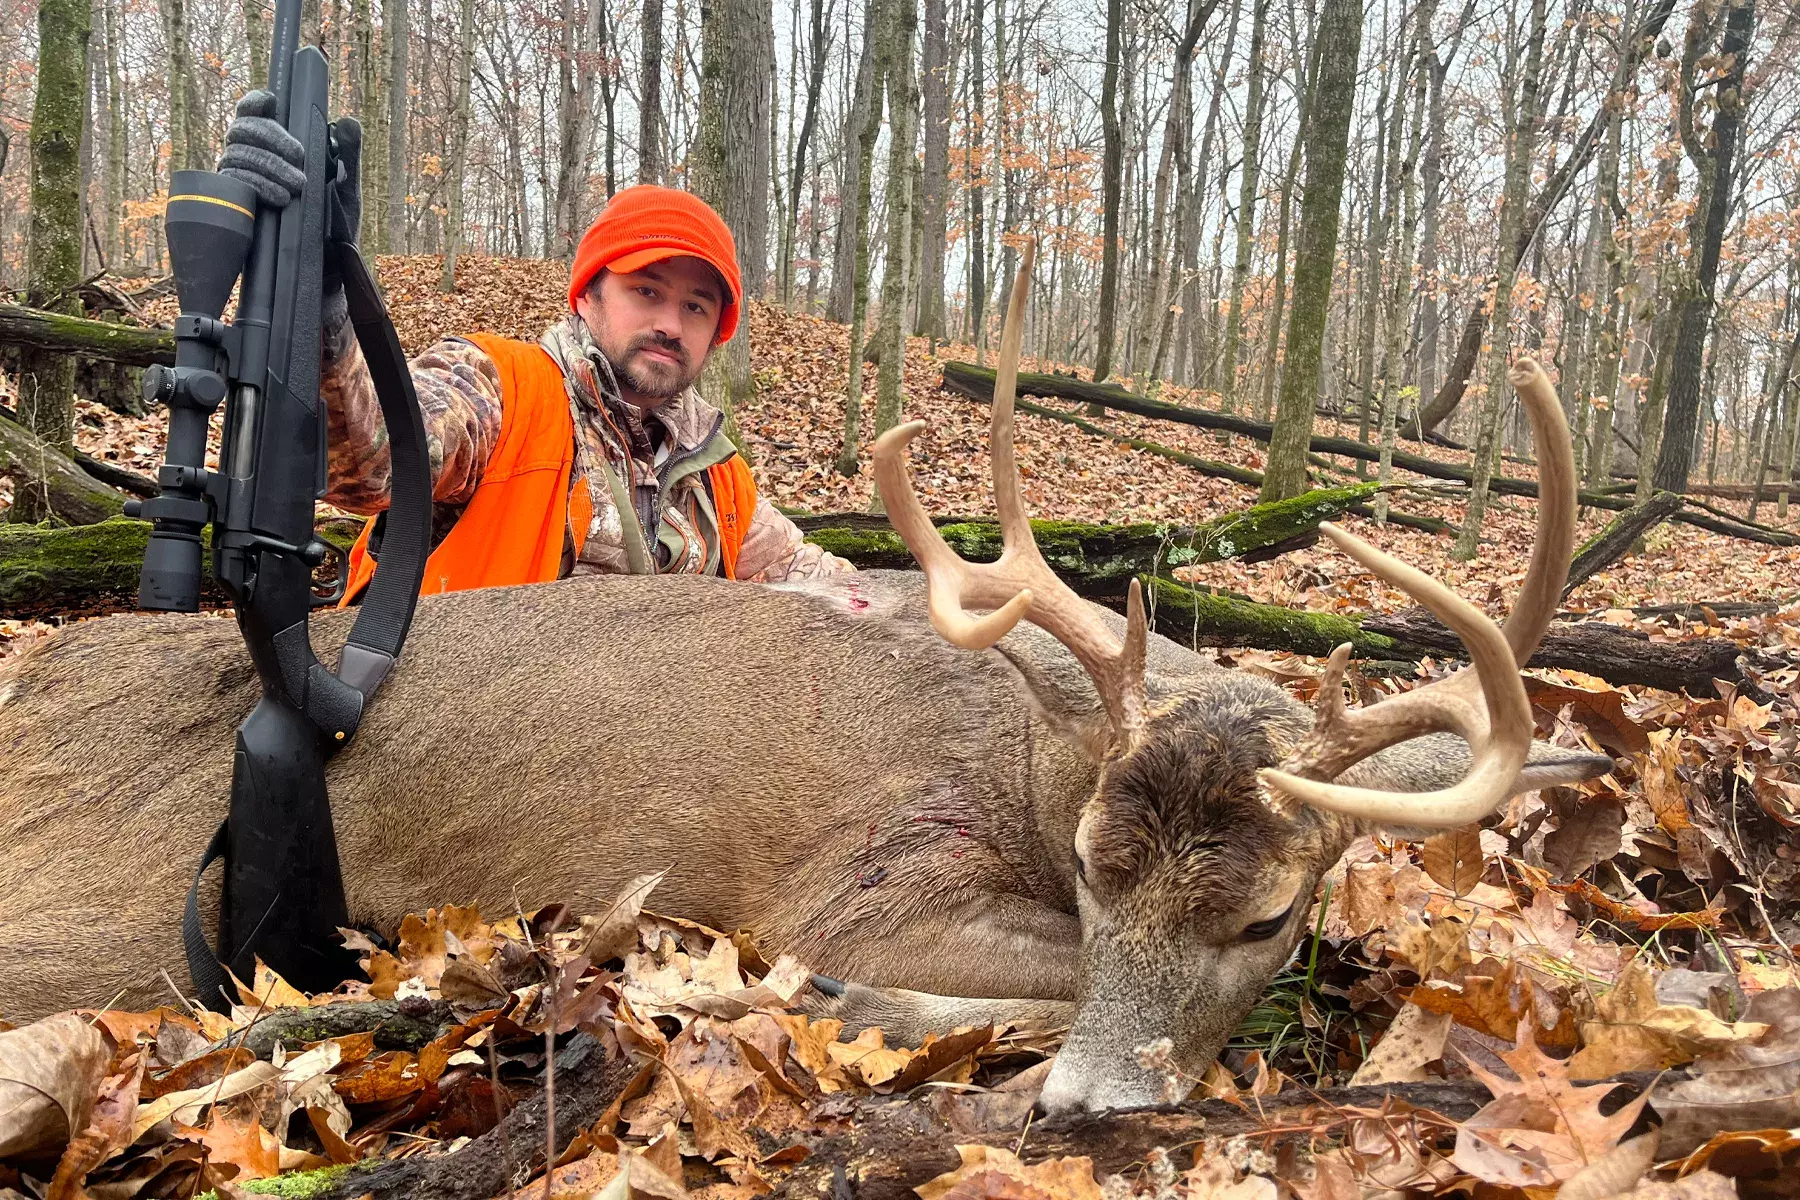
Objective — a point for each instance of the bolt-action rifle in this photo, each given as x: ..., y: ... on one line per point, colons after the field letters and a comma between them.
x: 283, y: 898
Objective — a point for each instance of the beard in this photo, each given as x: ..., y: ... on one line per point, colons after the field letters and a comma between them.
x: 653, y: 378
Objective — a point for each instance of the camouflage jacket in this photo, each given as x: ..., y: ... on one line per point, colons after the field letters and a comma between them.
x: 660, y: 474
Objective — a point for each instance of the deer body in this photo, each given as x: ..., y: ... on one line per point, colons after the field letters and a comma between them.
x: 811, y: 761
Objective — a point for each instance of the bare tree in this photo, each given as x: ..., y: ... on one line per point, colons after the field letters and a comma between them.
x: 650, y: 141
x: 1111, y: 168
x: 1711, y: 152
x: 47, y: 380
x: 459, y: 142
x: 1333, y: 88
x: 934, y: 87
x: 1248, y: 181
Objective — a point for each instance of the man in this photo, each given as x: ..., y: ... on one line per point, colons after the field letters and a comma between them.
x: 588, y: 451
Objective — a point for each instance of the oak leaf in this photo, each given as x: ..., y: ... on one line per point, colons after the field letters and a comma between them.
x: 1541, y: 1128
x: 50, y: 1071
x: 990, y: 1173
x: 1454, y: 860
x: 1633, y: 1031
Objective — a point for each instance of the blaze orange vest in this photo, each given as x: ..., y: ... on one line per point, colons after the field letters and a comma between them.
x: 515, y: 526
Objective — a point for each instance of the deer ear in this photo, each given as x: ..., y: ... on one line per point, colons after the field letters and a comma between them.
x: 1440, y: 760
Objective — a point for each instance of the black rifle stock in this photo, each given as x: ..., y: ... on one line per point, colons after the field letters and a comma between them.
x: 283, y: 897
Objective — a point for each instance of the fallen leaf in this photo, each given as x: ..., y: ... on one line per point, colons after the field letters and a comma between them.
x: 990, y: 1173
x: 1541, y: 1128
x: 50, y: 1071
x: 869, y: 1057
x: 1454, y: 859
x: 240, y: 1141
x: 185, y: 1106
x: 1748, y: 1086
x: 1632, y: 1031
x: 614, y: 933
x: 1415, y: 1038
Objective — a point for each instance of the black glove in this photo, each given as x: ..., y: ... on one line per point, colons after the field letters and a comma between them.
x: 263, y: 154
x: 345, y: 220
x: 346, y: 211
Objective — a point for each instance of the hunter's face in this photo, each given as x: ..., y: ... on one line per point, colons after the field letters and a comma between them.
x: 656, y: 325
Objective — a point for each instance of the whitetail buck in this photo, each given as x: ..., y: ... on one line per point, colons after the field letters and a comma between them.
x: 1078, y: 823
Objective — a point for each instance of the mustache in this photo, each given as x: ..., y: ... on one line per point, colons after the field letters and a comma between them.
x: 658, y: 341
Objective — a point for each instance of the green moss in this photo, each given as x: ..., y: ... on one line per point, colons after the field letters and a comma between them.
x: 295, y: 1186
x: 44, y: 567
x: 1201, y: 618
x: 1102, y: 558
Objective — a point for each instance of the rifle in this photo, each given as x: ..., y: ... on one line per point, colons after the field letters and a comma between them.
x: 283, y: 898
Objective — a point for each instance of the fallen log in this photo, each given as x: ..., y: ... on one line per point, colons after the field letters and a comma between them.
x: 1100, y: 560
x: 1616, y: 540
x: 1195, y: 617
x: 1218, y: 470
x: 1619, y: 656
x: 395, y: 1024
x: 892, y: 1145
x: 110, y: 474
x: 47, y: 569
x: 977, y: 383
x: 490, y: 1165
x: 132, y: 345
x: 75, y: 496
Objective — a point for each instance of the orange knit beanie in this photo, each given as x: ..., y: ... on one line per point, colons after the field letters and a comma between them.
x: 646, y: 224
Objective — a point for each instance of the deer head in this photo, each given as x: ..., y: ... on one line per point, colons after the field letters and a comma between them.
x: 1218, y: 808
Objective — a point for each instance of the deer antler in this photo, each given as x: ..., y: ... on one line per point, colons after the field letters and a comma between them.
x: 1484, y: 702
x: 1021, y: 584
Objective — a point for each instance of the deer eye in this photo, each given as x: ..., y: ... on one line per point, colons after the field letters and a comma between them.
x: 1262, y: 931
x: 1081, y: 868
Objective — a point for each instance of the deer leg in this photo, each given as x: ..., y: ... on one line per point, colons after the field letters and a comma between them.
x: 905, y: 1017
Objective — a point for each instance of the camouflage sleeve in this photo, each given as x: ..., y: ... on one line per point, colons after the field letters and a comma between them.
x: 775, y: 550
x: 459, y: 396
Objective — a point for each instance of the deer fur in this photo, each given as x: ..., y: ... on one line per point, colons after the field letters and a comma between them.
x: 811, y: 761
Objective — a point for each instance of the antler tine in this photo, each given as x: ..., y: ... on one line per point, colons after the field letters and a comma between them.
x: 1021, y: 584
x: 1554, y: 547
x: 1486, y: 702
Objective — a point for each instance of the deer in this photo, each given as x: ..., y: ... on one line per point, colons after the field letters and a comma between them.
x: 962, y: 795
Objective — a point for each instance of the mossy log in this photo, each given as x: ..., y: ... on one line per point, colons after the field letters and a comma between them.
x: 75, y: 495
x: 1219, y: 470
x: 977, y: 383
x: 1099, y: 560
x: 45, y: 569
x: 1196, y: 617
x: 132, y: 345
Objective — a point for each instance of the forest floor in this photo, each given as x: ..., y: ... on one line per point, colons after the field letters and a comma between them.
x: 1646, y: 921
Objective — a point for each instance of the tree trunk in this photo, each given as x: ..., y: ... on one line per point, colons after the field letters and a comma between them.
x: 853, y: 189
x: 459, y: 142
x: 934, y: 198
x: 1112, y: 165
x: 902, y: 103
x: 257, y: 33
x: 1246, y: 213
x: 115, y: 135
x: 395, y: 29
x: 1711, y: 154
x: 1327, y: 134
x: 1620, y: 535
x: 815, y: 88
x: 46, y: 379
x: 974, y: 174
x: 1522, y: 132
x: 855, y: 220
x: 571, y: 141
x: 58, y: 487
x: 731, y: 164
x: 1403, y: 175
x: 174, y: 26
x: 651, y: 168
